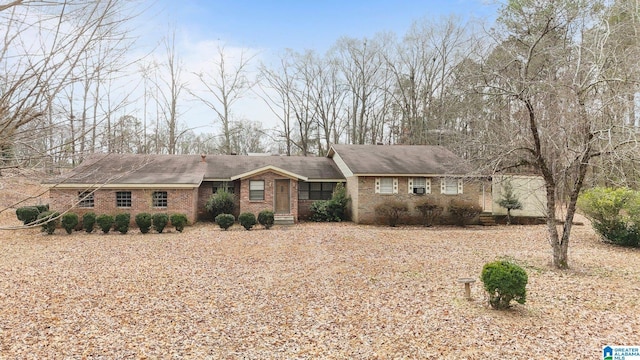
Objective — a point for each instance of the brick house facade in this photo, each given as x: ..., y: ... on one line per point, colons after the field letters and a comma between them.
x: 372, y: 174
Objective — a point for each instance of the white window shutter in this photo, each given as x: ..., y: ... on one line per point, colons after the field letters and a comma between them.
x: 395, y: 185
x: 427, y: 186
x: 410, y: 185
x: 460, y: 186
x: 443, y: 186
x: 377, y: 185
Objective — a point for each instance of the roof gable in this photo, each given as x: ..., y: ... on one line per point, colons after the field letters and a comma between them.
x: 269, y: 168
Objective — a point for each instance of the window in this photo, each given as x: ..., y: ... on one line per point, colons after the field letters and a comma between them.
x: 85, y: 199
x: 386, y: 185
x: 419, y: 186
x: 223, y: 186
x: 256, y: 190
x: 123, y: 199
x: 159, y: 199
x: 315, y: 190
x: 451, y: 186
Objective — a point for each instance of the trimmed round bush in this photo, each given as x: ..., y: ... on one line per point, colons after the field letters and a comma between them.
x: 122, y: 221
x: 89, y: 222
x: 159, y: 222
x: 49, y: 221
x: 69, y: 222
x: 178, y: 221
x: 225, y: 221
x: 105, y: 222
x: 143, y: 221
x: 28, y: 214
x: 266, y: 218
x: 504, y: 281
x: 247, y: 220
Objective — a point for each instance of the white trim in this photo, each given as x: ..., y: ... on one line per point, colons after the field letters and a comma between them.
x: 122, y: 186
x: 269, y: 168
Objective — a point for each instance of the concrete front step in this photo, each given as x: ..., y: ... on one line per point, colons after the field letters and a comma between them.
x: 280, y: 219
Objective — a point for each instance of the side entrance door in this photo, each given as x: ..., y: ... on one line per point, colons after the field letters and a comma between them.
x: 283, y: 196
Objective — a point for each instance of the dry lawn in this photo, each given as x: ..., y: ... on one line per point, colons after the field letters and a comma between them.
x: 310, y: 291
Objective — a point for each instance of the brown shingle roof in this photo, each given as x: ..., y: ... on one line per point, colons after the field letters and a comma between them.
x: 313, y: 168
x: 401, y: 160
x: 130, y: 169
x: 135, y: 169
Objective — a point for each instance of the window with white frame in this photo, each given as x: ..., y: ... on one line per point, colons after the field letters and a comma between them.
x: 419, y: 186
x: 256, y: 190
x: 386, y: 185
x: 159, y: 199
x: 451, y: 186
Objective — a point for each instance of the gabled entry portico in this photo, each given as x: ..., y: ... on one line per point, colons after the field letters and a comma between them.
x: 270, y: 188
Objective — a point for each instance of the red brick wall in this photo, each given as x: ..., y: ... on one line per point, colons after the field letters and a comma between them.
x: 367, y: 199
x: 178, y: 201
x: 268, y: 203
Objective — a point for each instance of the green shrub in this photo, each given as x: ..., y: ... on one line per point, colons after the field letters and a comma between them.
x: 42, y: 208
x: 392, y: 211
x: 88, y: 222
x: 247, y: 220
x: 27, y: 214
x: 266, y: 218
x: 463, y: 211
x: 143, y: 221
x: 614, y: 214
x: 69, y: 222
x: 221, y: 203
x: 122, y: 221
x: 509, y: 200
x: 49, y: 221
x: 225, y: 221
x: 334, y: 209
x: 504, y: 281
x: 105, y: 222
x: 179, y: 221
x: 430, y: 211
x: 159, y: 222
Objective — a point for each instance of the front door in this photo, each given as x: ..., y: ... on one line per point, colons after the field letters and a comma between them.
x: 283, y: 196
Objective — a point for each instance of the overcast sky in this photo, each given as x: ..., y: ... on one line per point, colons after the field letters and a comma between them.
x: 267, y: 28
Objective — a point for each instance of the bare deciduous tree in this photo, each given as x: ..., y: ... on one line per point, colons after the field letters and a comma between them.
x: 225, y: 84
x: 551, y: 64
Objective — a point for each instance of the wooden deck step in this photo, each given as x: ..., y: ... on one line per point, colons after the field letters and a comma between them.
x: 487, y: 219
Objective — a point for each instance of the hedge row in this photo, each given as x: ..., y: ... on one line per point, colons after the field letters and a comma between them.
x: 461, y: 211
x: 69, y: 221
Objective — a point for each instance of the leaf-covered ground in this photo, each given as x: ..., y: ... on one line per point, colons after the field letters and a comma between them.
x: 309, y: 291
